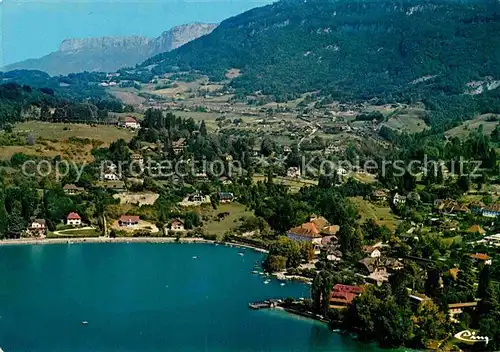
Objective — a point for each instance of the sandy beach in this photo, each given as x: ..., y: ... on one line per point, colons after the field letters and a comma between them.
x: 36, y: 241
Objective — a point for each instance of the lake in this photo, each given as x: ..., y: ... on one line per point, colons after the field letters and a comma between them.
x: 148, y: 297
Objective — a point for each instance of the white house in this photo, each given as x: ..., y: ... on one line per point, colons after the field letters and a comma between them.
x: 491, y: 211
x: 129, y: 122
x: 372, y: 251
x: 37, y: 228
x: 398, y: 199
x: 73, y: 219
x: 111, y: 176
x: 293, y: 172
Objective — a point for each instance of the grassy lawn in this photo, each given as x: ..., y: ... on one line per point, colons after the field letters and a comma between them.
x: 448, y: 241
x: 381, y: 214
x: 363, y: 177
x: 75, y: 233
x: 229, y: 222
x: 63, y: 131
x: 52, y: 139
x: 469, y: 126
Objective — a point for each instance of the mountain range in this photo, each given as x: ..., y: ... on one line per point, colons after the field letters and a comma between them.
x: 108, y: 54
x: 361, y: 49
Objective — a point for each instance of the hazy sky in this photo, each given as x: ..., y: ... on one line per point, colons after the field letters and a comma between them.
x: 31, y: 28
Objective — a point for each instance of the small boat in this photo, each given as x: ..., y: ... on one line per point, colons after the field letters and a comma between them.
x: 195, y: 257
x: 282, y: 284
x: 255, y: 272
x: 241, y: 254
x: 267, y: 281
x: 85, y: 322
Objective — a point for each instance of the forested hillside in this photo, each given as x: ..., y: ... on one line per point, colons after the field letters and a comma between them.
x: 75, y: 86
x: 352, y: 49
x: 23, y: 102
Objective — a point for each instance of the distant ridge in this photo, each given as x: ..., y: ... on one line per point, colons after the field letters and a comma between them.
x: 111, y: 53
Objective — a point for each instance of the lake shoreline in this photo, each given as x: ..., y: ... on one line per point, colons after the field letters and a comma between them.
x: 76, y: 240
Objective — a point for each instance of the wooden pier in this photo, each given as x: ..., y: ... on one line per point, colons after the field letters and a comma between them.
x: 269, y: 303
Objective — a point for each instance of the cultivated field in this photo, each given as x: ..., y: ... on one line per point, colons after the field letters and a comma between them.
x: 63, y: 131
x: 127, y: 95
x: 408, y: 120
x: 74, y: 141
x: 488, y: 121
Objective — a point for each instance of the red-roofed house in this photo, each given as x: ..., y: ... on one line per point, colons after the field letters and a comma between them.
x: 128, y: 220
x: 129, y: 122
x: 343, y: 295
x: 73, y: 219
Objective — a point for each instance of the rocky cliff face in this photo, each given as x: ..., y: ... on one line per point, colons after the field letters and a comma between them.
x: 180, y: 35
x: 108, y: 54
x: 103, y: 43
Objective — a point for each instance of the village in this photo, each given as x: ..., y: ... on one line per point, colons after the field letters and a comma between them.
x: 362, y: 228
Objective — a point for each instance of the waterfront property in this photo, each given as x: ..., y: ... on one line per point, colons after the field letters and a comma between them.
x: 307, y: 232
x: 73, y: 219
x: 37, y: 228
x: 343, y: 295
x: 314, y: 232
x: 128, y: 220
x: 176, y: 225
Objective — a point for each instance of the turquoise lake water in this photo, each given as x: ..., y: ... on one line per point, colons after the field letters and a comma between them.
x: 148, y: 297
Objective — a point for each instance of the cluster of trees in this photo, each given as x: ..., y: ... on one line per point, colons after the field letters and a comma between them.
x: 17, y: 205
x: 285, y: 253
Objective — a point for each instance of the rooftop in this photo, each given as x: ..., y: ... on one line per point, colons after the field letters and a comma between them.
x: 129, y: 218
x: 480, y: 256
x: 73, y: 216
x: 306, y: 230
x: 129, y: 119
